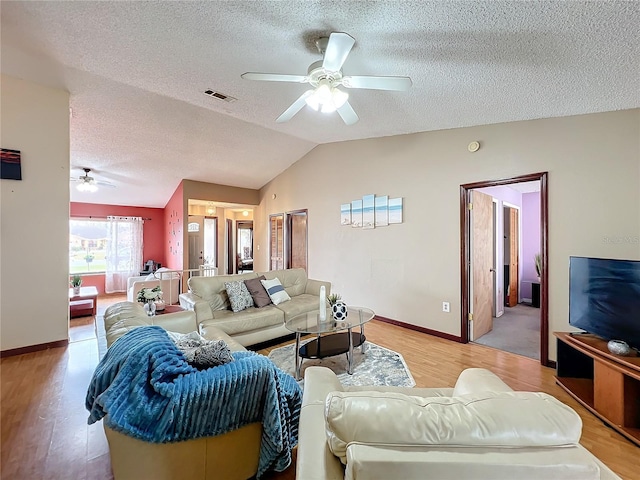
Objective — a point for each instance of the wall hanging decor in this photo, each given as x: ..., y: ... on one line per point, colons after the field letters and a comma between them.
x: 372, y: 211
x: 345, y: 214
x: 368, y: 212
x: 10, y: 168
x: 395, y: 210
x: 356, y: 213
x: 382, y: 211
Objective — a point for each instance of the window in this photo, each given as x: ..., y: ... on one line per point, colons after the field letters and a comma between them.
x: 87, y: 246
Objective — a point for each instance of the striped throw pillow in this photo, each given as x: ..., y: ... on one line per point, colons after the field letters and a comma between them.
x: 276, y: 291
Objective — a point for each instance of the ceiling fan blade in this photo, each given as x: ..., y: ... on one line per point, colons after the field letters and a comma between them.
x: 348, y: 114
x: 377, y: 83
x: 105, y: 184
x: 294, y: 108
x: 339, y: 46
x: 274, y: 77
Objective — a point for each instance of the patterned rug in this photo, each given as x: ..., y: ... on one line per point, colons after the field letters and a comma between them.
x: 378, y: 366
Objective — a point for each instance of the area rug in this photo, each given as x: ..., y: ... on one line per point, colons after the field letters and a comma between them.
x: 377, y: 366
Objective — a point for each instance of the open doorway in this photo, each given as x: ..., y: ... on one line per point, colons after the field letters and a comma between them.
x: 502, y: 298
x: 244, y: 241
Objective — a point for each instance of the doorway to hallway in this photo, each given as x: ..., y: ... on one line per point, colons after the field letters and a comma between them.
x: 497, y: 274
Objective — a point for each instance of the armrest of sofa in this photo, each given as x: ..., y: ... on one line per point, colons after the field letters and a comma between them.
x: 487, y: 419
x: 315, y: 460
x: 313, y: 287
x: 189, y: 301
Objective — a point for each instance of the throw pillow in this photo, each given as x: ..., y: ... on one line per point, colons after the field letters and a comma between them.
x: 239, y: 296
x: 276, y: 291
x: 202, y: 353
x: 258, y: 293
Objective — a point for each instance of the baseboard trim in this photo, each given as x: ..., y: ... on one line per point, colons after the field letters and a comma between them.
x: 428, y: 331
x: 33, y: 348
x: 551, y: 364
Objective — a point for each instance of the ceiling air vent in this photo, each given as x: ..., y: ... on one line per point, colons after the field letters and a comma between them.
x: 220, y: 96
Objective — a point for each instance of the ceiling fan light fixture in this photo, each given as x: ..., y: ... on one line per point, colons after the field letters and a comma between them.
x: 326, y: 98
x: 87, y: 187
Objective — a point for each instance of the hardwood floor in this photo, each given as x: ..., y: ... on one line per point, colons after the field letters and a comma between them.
x: 44, y: 423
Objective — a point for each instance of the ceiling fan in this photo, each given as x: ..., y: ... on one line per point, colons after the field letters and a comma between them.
x: 86, y: 183
x: 326, y: 76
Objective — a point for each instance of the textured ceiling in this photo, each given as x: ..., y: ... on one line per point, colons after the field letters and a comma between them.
x: 136, y: 72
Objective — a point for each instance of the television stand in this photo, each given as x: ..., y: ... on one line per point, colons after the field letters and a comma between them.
x: 607, y: 385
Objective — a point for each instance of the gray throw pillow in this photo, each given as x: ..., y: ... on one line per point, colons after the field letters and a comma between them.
x: 239, y: 296
x: 206, y: 354
x: 260, y: 296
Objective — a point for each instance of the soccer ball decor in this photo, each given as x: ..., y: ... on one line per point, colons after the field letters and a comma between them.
x: 339, y: 311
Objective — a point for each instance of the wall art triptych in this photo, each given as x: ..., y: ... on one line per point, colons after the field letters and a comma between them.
x: 371, y: 211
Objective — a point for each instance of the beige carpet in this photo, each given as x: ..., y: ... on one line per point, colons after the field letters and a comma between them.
x: 517, y: 331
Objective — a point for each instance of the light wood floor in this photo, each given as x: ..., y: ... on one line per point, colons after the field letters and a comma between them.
x: 44, y: 423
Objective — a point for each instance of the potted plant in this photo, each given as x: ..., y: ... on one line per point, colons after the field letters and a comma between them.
x: 537, y: 259
x: 338, y: 307
x: 149, y: 296
x: 76, y: 283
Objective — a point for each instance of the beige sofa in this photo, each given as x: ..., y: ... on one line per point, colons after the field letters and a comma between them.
x: 481, y: 429
x: 232, y: 456
x: 207, y: 297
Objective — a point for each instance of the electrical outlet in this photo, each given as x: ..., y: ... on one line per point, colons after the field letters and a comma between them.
x: 446, y: 307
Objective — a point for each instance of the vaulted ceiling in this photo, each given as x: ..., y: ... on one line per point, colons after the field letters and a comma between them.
x: 136, y: 72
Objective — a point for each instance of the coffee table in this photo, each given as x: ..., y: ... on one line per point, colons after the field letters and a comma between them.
x: 331, y: 337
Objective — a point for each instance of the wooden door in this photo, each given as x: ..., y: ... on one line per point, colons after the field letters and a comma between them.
x: 481, y: 264
x: 513, y: 257
x: 276, y: 242
x: 231, y: 258
x: 297, y: 239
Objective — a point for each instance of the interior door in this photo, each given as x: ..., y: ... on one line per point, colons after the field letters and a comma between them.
x: 513, y: 257
x: 231, y: 258
x: 481, y: 216
x: 196, y: 236
x: 297, y: 239
x: 276, y: 241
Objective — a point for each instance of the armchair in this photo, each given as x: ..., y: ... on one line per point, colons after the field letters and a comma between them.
x: 169, y: 282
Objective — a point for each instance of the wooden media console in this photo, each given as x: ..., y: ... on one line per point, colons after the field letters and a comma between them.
x: 606, y: 384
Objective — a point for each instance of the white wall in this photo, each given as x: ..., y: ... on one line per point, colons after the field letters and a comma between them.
x: 406, y: 271
x: 34, y: 224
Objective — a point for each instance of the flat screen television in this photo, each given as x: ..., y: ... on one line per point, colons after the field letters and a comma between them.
x: 604, y: 298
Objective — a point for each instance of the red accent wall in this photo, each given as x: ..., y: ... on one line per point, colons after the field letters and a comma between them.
x: 174, y: 229
x: 153, y: 231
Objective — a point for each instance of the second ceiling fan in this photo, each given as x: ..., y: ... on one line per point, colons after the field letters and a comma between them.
x: 326, y: 77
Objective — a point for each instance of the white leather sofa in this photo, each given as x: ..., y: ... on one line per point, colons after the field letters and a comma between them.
x: 207, y: 297
x: 479, y: 430
x: 233, y: 456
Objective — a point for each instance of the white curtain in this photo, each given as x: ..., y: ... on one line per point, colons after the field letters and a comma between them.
x: 124, y: 252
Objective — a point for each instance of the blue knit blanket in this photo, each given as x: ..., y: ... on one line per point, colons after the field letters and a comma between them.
x: 144, y: 388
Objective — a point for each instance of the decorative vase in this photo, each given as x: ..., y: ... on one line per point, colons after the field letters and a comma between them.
x: 618, y: 347
x: 339, y: 311
x: 76, y: 290
x: 150, y: 307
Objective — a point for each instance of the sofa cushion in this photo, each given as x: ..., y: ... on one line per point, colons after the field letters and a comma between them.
x: 293, y: 280
x: 246, y: 320
x: 200, y: 352
x: 212, y: 289
x: 299, y: 304
x: 260, y: 296
x: 276, y: 291
x: 489, y: 419
x: 239, y: 296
